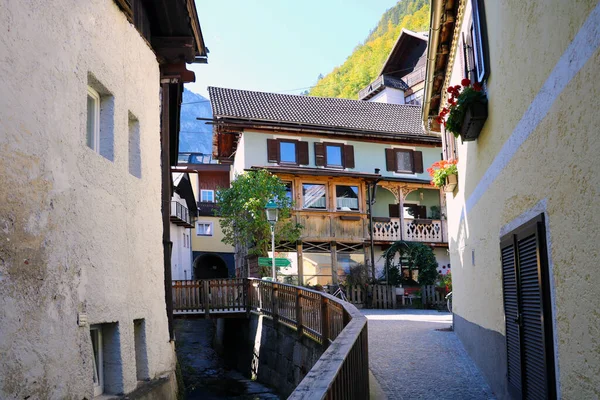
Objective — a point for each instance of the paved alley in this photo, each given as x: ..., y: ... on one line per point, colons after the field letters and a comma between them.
x: 413, y: 356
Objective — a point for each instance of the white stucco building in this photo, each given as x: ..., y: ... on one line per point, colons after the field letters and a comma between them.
x: 88, y: 89
x: 183, y: 217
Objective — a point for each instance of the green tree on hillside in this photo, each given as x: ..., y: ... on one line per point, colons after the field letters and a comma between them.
x: 365, y: 62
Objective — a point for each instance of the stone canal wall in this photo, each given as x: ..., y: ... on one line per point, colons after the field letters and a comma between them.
x: 269, y: 352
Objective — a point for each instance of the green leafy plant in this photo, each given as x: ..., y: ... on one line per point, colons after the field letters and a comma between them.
x: 461, y: 97
x: 440, y: 170
x: 242, y: 212
x: 446, y: 282
x: 414, y: 256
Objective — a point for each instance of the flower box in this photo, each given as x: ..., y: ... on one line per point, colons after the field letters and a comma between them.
x: 451, y: 182
x: 475, y: 116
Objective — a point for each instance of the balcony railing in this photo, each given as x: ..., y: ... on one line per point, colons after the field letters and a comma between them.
x: 180, y: 215
x: 414, y: 230
x: 206, y: 208
x: 414, y: 77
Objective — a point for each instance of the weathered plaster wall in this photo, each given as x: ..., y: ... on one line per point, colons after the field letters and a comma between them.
x: 367, y: 155
x: 553, y: 170
x: 78, y: 233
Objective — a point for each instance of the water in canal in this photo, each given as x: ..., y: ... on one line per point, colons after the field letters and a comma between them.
x: 205, y: 375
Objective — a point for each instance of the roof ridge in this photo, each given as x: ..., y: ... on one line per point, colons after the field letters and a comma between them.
x: 314, y: 97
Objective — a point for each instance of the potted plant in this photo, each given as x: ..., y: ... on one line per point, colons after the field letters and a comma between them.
x: 444, y: 174
x: 466, y: 112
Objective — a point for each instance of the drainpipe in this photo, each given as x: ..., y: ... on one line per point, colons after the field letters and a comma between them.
x: 432, y: 47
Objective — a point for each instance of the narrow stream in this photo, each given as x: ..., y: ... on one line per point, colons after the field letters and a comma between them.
x: 205, y: 375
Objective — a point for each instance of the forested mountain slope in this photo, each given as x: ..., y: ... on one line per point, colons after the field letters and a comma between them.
x: 365, y: 62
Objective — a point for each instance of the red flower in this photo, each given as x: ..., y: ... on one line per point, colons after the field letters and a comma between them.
x: 452, y: 101
x: 477, y: 87
x: 457, y: 88
x: 465, y: 82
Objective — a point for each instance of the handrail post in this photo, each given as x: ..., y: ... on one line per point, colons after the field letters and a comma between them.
x: 299, y: 312
x: 274, y: 308
x: 247, y: 297
x: 206, y: 298
x: 325, y: 321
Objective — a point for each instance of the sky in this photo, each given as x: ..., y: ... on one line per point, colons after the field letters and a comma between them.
x: 279, y: 45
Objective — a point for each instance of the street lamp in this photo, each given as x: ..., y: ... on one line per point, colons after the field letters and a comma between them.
x: 272, y: 212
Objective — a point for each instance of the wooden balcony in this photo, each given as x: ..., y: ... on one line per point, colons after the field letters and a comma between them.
x: 206, y: 208
x: 333, y: 226
x: 180, y: 215
x: 414, y: 230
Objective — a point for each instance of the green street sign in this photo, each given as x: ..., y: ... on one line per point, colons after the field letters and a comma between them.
x: 279, y: 262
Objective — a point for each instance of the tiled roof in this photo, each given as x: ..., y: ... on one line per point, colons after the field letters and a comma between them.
x: 325, y: 112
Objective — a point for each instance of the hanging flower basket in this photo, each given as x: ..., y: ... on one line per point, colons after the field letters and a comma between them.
x: 466, y: 112
x: 444, y: 174
x: 451, y: 182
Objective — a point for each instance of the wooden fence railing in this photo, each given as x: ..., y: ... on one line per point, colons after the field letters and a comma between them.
x: 342, y: 372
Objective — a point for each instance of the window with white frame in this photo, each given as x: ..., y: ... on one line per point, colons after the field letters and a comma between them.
x: 204, y: 228
x: 93, y: 120
x: 207, y: 196
x: 98, y: 364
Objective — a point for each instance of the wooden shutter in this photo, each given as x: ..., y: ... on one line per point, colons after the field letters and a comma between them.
x: 302, y: 153
x: 394, y: 210
x: 273, y: 150
x: 418, y: 162
x: 348, y: 156
x: 390, y: 160
x: 319, y: 154
x: 511, y: 313
x: 480, y: 46
x: 534, y: 359
x: 529, y: 341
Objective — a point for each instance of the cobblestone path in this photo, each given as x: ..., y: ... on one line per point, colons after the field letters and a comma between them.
x: 412, y: 359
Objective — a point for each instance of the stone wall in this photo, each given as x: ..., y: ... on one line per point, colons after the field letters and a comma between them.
x: 269, y: 352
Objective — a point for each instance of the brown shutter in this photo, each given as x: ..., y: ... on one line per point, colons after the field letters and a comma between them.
x: 390, y: 160
x: 302, y: 150
x: 273, y: 150
x: 319, y: 154
x: 418, y: 161
x: 394, y: 210
x: 348, y: 156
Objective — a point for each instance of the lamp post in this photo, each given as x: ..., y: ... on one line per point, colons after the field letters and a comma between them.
x: 272, y: 212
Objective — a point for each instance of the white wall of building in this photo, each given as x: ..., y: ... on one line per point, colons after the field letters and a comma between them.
x: 252, y: 151
x: 389, y: 95
x: 181, y: 253
x: 79, y: 235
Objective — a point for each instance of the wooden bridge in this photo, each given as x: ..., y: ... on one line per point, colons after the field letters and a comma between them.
x: 342, y: 372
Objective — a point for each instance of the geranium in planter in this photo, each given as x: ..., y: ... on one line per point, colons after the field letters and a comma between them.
x: 444, y: 174
x: 466, y: 111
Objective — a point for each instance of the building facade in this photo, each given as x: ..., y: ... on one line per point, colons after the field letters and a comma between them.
x: 331, y: 153
x: 523, y: 232
x: 183, y: 219
x: 211, y: 258
x: 82, y: 298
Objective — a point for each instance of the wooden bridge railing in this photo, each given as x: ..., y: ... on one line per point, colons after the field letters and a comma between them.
x: 342, y: 372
